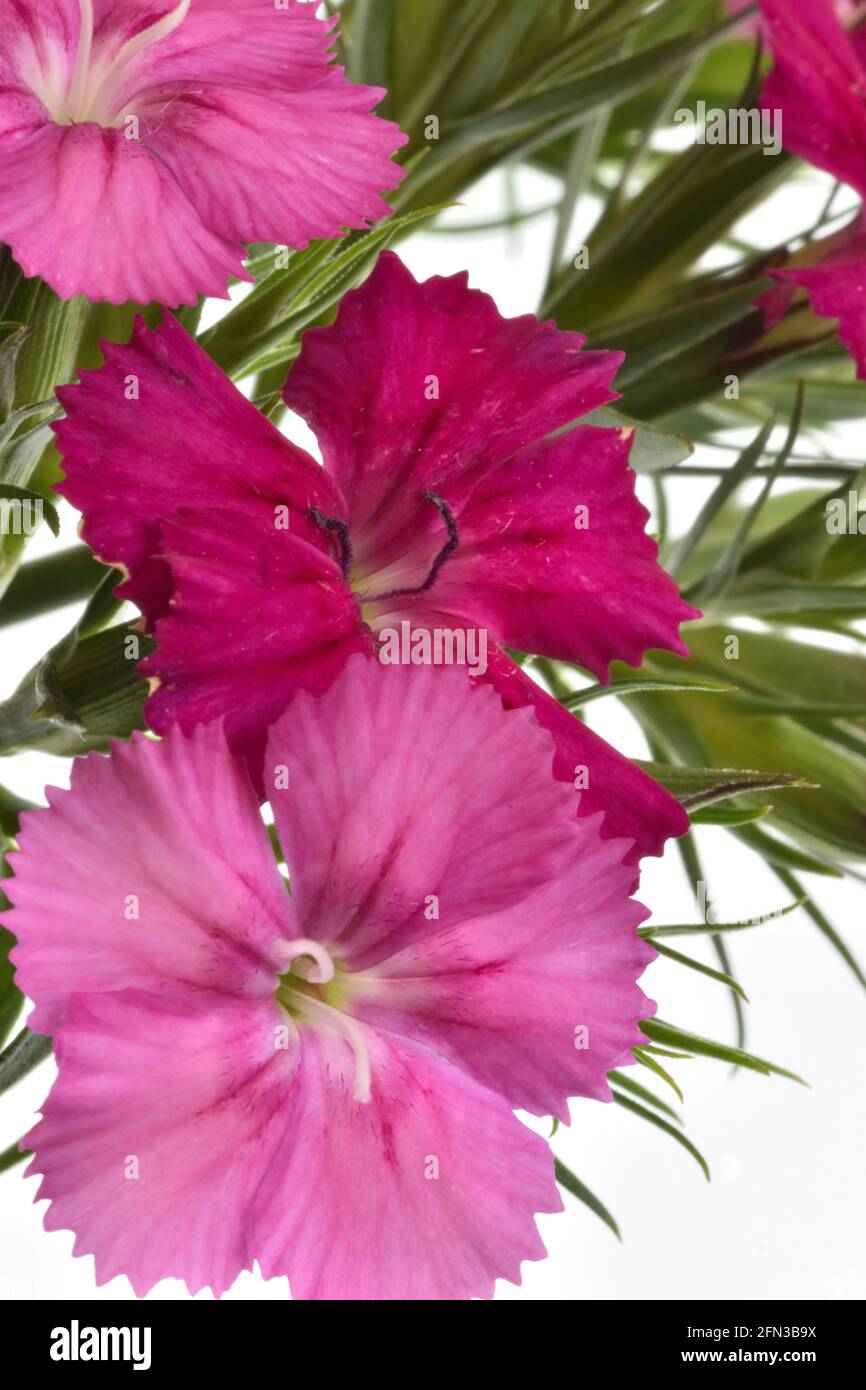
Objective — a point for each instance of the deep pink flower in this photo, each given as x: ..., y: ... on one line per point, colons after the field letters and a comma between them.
x: 323, y: 1082
x: 833, y: 272
x: 818, y: 81
x: 446, y: 500
x: 844, y: 8
x: 142, y: 143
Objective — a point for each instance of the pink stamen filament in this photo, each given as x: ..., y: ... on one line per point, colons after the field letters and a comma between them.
x: 335, y: 1021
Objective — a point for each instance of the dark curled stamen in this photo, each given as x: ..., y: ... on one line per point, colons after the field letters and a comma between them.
x: 341, y: 531
x: 445, y: 553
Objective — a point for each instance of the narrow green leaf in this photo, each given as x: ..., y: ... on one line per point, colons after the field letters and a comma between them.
x: 663, y: 1052
x: 627, y: 1083
x: 725, y: 569
x: 641, y: 687
x: 372, y: 41
x: 645, y: 1059
x: 11, y: 998
x: 777, y: 852
x: 722, y: 977
x: 13, y: 336
x: 562, y: 108
x: 822, y: 922
x: 468, y: 83
x: 848, y: 601
x: 729, y: 815
x: 24, y: 1053
x: 708, y: 929
x: 572, y: 1184
x: 11, y: 807
x: 584, y: 156
x: 49, y: 409
x: 242, y: 354
x: 666, y: 1033
x: 467, y: 22
x: 695, y: 787
x: 803, y: 709
x: 511, y: 218
x: 42, y: 585
x: 12, y: 1156
x: 659, y: 341
x: 727, y: 485
x: 691, y: 860
x: 666, y: 1128
x: 660, y: 113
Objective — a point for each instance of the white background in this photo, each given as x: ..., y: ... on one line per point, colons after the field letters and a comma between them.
x: 783, y: 1215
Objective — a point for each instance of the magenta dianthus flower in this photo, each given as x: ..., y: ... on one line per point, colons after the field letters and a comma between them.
x: 323, y: 1081
x: 142, y: 143
x: 450, y: 498
x: 818, y: 82
x: 845, y: 9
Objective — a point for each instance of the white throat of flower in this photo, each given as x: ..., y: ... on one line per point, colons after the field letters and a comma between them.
x: 97, y: 78
x: 307, y: 1007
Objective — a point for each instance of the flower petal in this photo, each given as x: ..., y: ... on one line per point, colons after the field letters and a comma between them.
x: 635, y: 807
x: 96, y: 214
x: 836, y: 289
x: 539, y: 1001
x: 160, y: 427
x: 179, y: 1141
x: 158, y: 1131
x: 245, y: 43
x: 412, y: 800
x: 153, y: 870
x: 193, y: 129
x: 37, y: 47
x: 428, y: 1192
x: 554, y: 558
x: 257, y: 614
x: 845, y: 9
x: 818, y: 81
x: 427, y: 386
x: 280, y: 166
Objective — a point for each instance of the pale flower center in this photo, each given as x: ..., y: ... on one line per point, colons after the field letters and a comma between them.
x: 303, y: 992
x: 98, y: 76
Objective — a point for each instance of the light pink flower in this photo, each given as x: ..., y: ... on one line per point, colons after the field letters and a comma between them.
x: 323, y: 1082
x: 448, y: 499
x: 142, y: 143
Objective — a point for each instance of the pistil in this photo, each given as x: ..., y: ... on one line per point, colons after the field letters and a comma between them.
x: 300, y: 995
x: 340, y: 529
